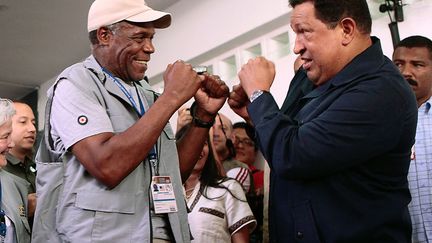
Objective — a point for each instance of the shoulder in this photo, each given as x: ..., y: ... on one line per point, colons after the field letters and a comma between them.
x: 232, y: 163
x: 234, y: 187
x: 80, y: 73
x: 10, y: 178
x: 12, y: 184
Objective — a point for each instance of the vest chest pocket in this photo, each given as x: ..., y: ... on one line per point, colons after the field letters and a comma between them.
x: 106, y: 202
x: 107, y: 216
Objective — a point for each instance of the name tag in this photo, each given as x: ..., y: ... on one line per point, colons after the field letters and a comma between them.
x: 163, y: 195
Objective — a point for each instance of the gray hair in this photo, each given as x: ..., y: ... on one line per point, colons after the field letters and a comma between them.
x: 7, y: 110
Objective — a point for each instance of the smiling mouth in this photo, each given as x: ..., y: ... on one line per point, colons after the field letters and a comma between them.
x: 142, y: 62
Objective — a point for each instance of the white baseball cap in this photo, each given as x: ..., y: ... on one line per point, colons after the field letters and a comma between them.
x: 106, y: 12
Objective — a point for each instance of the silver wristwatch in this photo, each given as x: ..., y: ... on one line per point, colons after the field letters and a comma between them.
x: 255, y: 95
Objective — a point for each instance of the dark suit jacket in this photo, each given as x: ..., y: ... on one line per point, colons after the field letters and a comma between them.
x: 340, y: 154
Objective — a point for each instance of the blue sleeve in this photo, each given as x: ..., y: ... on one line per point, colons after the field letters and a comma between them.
x: 362, y: 122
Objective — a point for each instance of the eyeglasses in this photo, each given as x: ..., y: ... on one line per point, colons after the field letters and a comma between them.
x: 244, y: 141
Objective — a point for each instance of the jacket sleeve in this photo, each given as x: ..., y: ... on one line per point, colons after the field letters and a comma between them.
x: 361, y: 123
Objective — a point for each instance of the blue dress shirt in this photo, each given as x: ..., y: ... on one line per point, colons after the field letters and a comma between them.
x: 420, y: 177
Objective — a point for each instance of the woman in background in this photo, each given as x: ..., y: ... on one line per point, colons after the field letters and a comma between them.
x: 14, y: 227
x: 219, y: 211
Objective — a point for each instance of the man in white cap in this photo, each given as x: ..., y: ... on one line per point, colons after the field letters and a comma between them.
x: 108, y: 135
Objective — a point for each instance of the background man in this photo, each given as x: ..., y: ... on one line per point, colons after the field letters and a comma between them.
x: 20, y: 162
x: 339, y: 159
x: 413, y: 57
x: 109, y: 132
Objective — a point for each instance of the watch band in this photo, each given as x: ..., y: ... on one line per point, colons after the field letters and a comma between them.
x: 198, y: 122
x: 255, y: 95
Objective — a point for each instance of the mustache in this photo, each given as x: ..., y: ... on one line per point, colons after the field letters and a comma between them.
x: 412, y: 82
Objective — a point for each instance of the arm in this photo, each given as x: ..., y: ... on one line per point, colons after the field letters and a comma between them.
x: 237, y: 210
x: 209, y: 99
x: 31, y: 204
x: 352, y: 129
x: 360, y: 123
x: 103, y: 154
x: 241, y: 236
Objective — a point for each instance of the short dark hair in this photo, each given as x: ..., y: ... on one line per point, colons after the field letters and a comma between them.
x: 331, y: 12
x: 249, y: 129
x: 93, y: 37
x: 416, y: 41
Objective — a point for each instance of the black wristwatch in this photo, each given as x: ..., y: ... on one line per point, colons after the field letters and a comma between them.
x: 198, y: 122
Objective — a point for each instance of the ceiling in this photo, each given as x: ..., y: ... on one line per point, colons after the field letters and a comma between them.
x: 40, y: 38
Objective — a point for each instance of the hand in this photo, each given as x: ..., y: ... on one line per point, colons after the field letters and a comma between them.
x: 184, y: 117
x: 215, y: 87
x: 181, y: 82
x: 238, y: 101
x: 210, y: 97
x: 31, y: 204
x: 257, y: 74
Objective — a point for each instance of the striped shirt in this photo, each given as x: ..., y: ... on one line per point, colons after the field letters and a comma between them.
x: 420, y: 177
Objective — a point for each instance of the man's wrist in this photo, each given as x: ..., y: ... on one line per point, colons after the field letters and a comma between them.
x: 199, y: 122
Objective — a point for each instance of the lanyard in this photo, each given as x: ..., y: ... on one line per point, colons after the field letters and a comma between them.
x: 141, y: 111
x: 152, y: 156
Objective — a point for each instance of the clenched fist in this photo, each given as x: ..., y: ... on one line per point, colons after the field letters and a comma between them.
x: 215, y: 87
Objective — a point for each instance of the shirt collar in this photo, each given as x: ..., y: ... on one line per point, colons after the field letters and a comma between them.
x: 92, y: 64
x: 14, y: 161
x: 11, y: 159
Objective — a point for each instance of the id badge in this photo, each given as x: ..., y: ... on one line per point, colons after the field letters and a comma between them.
x: 163, y: 195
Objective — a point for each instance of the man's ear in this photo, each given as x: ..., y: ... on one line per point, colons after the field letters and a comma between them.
x: 104, y: 35
x: 349, y: 27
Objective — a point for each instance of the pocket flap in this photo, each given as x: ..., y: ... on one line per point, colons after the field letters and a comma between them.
x: 112, y: 202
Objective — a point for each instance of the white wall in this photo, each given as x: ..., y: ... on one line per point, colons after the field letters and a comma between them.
x: 205, y: 30
x: 199, y: 26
